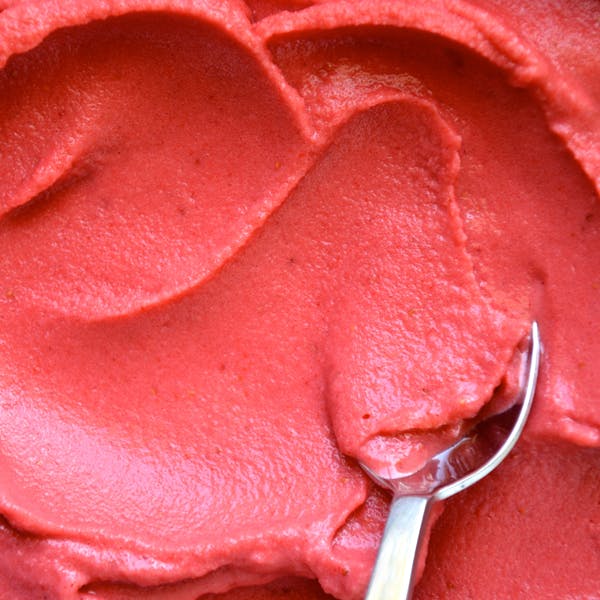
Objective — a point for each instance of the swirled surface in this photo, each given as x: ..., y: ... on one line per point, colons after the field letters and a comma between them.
x: 243, y: 246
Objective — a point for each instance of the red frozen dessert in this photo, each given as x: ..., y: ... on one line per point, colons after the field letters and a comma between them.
x: 245, y: 245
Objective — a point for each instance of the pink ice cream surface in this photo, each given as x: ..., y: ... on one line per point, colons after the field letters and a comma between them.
x: 243, y: 247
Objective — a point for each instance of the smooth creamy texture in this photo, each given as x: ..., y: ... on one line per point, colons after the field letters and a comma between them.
x: 241, y: 248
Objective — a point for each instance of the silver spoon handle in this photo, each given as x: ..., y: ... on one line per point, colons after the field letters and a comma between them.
x: 393, y: 574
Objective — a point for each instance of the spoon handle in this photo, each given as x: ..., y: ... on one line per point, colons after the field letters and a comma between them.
x: 393, y: 574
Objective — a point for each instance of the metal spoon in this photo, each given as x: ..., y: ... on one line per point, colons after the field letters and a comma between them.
x: 451, y: 471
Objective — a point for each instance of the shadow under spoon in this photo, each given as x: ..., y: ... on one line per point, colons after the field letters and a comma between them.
x: 466, y: 462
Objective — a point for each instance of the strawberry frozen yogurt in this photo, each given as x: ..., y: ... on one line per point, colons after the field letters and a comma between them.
x: 244, y: 246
